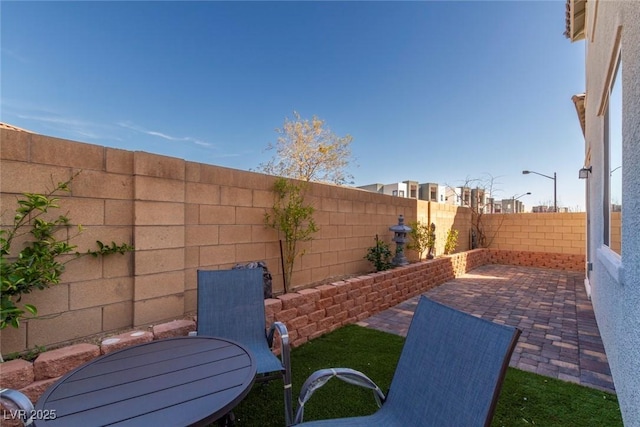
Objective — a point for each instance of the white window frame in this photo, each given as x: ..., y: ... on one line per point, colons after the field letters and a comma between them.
x: 611, y: 260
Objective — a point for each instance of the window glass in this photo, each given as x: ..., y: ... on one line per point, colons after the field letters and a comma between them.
x: 615, y: 163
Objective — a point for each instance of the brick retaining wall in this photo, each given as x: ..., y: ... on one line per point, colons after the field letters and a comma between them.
x: 308, y: 313
x: 558, y: 261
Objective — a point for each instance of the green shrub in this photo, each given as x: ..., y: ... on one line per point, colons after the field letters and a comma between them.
x: 37, y: 265
x: 452, y: 241
x: 380, y: 255
x: 419, y: 236
x: 293, y: 218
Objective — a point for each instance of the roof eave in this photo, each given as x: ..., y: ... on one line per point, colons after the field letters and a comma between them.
x: 576, y: 12
x: 578, y: 101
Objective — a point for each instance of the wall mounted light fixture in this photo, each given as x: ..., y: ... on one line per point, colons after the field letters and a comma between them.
x: 584, y: 173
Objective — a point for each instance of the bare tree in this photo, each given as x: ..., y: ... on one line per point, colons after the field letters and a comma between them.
x: 481, y: 189
x: 309, y: 151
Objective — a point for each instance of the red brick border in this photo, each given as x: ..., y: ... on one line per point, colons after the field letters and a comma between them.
x: 307, y: 313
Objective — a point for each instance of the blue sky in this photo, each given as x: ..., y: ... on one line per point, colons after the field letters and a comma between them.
x: 433, y: 91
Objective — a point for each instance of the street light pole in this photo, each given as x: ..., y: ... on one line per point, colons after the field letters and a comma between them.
x: 555, y: 181
x: 516, y: 198
x: 555, y: 193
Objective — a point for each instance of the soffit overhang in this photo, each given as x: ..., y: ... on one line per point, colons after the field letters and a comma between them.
x: 576, y: 12
x: 578, y: 101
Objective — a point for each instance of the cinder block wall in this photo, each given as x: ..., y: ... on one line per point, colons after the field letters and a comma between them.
x: 182, y: 216
x: 540, y: 232
x: 446, y: 217
x: 616, y: 232
x: 96, y: 293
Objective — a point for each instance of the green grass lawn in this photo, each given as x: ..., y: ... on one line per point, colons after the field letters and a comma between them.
x: 527, y: 399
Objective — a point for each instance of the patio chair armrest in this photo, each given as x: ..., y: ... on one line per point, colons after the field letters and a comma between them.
x: 320, y: 378
x: 285, y: 347
x: 282, y: 331
x: 18, y: 401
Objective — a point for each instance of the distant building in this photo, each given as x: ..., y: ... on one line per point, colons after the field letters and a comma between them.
x: 491, y: 205
x: 475, y: 198
x: 412, y: 189
x: 432, y: 192
x: 541, y: 209
x: 398, y: 189
x: 458, y: 196
x: 452, y: 196
x: 374, y: 188
x: 512, y: 206
x: 479, y: 200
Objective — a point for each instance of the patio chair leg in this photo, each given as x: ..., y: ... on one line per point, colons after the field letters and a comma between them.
x: 288, y: 405
x: 229, y: 420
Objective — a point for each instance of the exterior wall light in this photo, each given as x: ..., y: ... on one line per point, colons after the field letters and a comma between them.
x: 584, y: 173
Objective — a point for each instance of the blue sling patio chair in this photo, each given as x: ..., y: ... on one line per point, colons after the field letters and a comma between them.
x: 231, y: 305
x: 450, y: 373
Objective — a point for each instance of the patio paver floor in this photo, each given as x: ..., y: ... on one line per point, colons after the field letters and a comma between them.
x: 560, y: 337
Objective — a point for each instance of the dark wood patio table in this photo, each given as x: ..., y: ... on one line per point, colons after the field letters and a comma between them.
x: 181, y: 381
